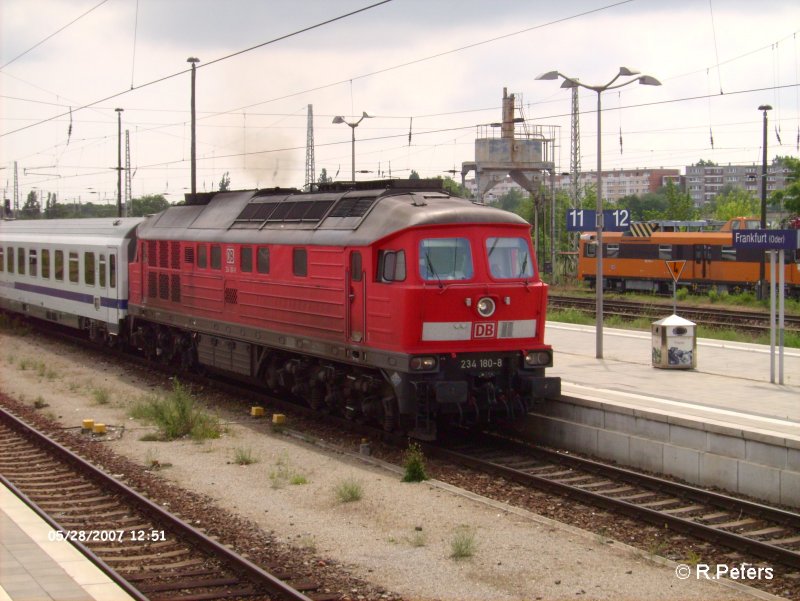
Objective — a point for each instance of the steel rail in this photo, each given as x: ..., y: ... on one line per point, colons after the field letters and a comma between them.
x: 256, y: 574
x: 735, y: 541
x: 708, y: 316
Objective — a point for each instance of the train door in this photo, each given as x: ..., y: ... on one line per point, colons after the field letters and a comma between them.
x: 702, y: 261
x: 356, y: 285
x: 104, y: 304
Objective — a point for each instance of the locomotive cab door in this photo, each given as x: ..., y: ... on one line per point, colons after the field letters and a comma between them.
x: 702, y: 261
x: 355, y: 302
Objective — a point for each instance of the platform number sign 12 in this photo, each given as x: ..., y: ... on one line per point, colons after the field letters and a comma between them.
x: 584, y: 220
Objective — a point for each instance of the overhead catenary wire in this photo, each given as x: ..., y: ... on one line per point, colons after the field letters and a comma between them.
x: 206, y: 64
x: 55, y: 33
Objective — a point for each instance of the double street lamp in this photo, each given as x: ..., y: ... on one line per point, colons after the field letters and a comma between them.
x: 352, y: 126
x: 572, y: 82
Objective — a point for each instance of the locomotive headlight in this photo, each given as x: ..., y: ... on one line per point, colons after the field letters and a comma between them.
x: 423, y: 363
x: 486, y: 307
x: 537, y: 358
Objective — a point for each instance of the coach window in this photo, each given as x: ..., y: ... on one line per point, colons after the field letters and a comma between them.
x: 59, y: 266
x: 202, y: 256
x: 10, y: 259
x: 300, y: 262
x: 33, y: 266
x: 21, y: 261
x: 88, y: 269
x: 112, y: 271
x: 216, y: 256
x: 728, y: 253
x: 46, y: 263
x: 74, y: 267
x: 665, y: 252
x: 262, y: 259
x: 246, y: 259
x: 445, y: 259
x: 392, y: 266
x: 2, y: 259
x: 101, y: 270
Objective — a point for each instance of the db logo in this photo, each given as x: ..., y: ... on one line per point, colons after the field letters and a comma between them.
x: 486, y: 329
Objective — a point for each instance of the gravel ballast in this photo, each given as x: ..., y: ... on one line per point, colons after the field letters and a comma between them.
x: 398, y: 536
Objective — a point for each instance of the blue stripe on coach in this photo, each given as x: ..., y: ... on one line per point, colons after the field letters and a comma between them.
x: 80, y: 297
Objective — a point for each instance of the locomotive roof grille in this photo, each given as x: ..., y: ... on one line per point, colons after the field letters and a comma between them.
x: 299, y: 210
x: 352, y: 207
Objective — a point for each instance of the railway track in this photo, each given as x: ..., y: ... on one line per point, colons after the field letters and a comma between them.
x: 150, y: 553
x: 750, y: 321
x: 749, y: 528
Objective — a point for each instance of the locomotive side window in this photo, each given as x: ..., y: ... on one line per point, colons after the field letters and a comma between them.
x: 300, y: 262
x: 10, y: 259
x: 392, y: 266
x: 46, y: 263
x: 21, y: 261
x: 728, y: 253
x: 202, y: 256
x: 665, y: 252
x: 246, y: 259
x: 88, y: 269
x: 74, y: 267
x: 589, y: 250
x: 356, y: 268
x: 612, y: 251
x: 508, y: 258
x: 33, y: 265
x: 59, y: 266
x: 216, y: 256
x: 445, y: 259
x: 262, y: 259
x: 112, y: 271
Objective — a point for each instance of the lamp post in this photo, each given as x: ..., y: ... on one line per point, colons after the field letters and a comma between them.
x: 340, y: 119
x: 762, y: 279
x: 194, y: 62
x: 119, y: 161
x: 572, y: 82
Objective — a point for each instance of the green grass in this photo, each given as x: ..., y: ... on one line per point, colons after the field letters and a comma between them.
x: 463, y: 543
x: 414, y: 463
x: 176, y: 415
x: 244, y: 456
x: 101, y: 396
x: 349, y: 491
x: 284, y: 473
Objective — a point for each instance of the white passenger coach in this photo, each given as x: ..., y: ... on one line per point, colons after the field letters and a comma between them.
x: 69, y: 271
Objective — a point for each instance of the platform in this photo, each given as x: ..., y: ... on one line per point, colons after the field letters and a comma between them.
x: 34, y: 568
x: 722, y: 424
x: 731, y: 382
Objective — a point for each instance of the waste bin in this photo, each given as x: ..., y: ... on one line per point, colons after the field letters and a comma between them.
x: 674, y: 343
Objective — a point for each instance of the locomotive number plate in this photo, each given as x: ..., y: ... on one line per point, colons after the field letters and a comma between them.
x: 481, y: 363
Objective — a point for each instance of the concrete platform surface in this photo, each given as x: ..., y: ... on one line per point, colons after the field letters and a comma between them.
x: 730, y: 386
x: 34, y: 568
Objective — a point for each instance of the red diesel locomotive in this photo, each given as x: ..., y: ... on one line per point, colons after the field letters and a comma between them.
x: 396, y: 303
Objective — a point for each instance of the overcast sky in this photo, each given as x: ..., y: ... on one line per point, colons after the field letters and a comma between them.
x: 437, y: 67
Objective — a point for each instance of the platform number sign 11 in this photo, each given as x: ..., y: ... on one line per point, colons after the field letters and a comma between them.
x: 584, y: 220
